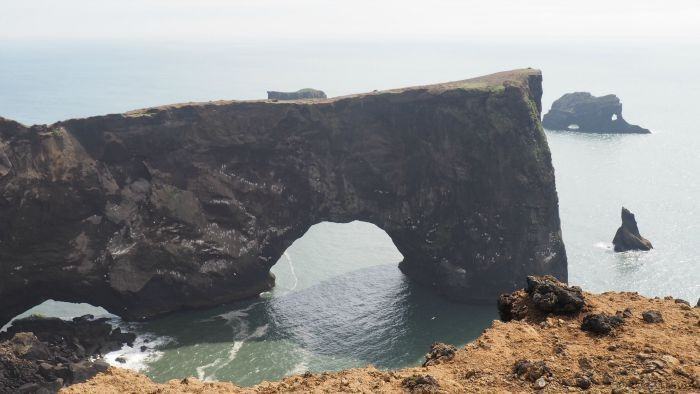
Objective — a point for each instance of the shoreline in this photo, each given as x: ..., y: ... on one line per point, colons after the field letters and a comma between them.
x: 636, y: 356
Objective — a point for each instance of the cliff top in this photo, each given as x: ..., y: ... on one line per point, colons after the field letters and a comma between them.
x: 540, y: 352
x: 487, y: 82
x: 497, y: 81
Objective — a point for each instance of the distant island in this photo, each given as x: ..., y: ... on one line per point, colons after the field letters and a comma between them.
x: 585, y: 113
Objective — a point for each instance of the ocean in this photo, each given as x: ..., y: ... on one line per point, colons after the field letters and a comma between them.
x: 340, y: 299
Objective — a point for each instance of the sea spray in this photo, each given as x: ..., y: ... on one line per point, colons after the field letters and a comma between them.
x: 145, y: 350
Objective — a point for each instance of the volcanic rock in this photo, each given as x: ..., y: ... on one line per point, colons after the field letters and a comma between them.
x: 421, y: 384
x: 439, y: 352
x: 544, y: 295
x: 81, y: 336
x: 601, y: 323
x: 190, y: 205
x: 627, y: 236
x: 509, y: 307
x: 583, y: 112
x: 531, y: 370
x: 298, y: 95
x: 44, y: 354
x: 550, y: 295
x: 652, y: 317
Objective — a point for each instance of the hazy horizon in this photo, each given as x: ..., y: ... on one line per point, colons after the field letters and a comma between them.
x: 361, y: 20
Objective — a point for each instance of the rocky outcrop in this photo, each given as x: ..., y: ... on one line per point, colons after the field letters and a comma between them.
x: 543, y: 295
x: 627, y: 236
x: 41, y: 355
x: 302, y: 94
x: 548, y: 353
x: 601, y: 323
x: 583, y: 112
x: 188, y: 206
x: 439, y: 352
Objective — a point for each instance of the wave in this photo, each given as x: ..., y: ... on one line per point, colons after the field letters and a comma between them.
x: 145, y: 350
x: 291, y: 269
x: 238, y: 322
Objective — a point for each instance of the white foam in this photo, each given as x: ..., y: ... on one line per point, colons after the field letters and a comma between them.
x: 200, y: 370
x: 239, y: 324
x: 291, y: 268
x: 302, y: 366
x: 134, y: 358
x: 603, y: 245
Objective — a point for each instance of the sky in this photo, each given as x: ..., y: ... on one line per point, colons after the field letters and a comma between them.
x: 356, y: 20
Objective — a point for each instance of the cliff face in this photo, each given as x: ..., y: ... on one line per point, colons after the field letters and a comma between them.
x: 190, y: 205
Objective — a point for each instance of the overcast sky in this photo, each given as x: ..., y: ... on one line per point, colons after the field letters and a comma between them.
x: 358, y: 20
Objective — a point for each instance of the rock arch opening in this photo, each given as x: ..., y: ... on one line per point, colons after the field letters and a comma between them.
x: 329, y: 249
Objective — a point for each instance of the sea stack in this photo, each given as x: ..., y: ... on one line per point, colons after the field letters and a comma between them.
x: 302, y: 94
x: 585, y: 113
x: 627, y: 236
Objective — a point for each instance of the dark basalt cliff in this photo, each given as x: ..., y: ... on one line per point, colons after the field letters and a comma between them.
x: 188, y: 206
x: 583, y: 112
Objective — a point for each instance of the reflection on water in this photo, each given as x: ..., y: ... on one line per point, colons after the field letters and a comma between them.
x: 630, y: 262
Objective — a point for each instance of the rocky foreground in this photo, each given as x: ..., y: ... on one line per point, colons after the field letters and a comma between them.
x: 41, y: 355
x: 555, y: 338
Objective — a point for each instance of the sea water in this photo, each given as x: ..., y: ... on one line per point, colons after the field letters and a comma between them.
x: 340, y: 300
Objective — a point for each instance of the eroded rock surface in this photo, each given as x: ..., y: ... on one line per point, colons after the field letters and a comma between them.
x: 41, y: 355
x: 627, y: 236
x: 601, y: 323
x: 439, y: 352
x: 421, y: 384
x: 543, y: 295
x: 583, y: 112
x: 301, y: 94
x: 188, y: 206
x: 550, y: 295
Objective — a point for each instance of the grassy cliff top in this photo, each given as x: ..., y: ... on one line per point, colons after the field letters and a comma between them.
x: 491, y: 82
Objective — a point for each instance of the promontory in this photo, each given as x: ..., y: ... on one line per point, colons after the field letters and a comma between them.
x: 189, y: 205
